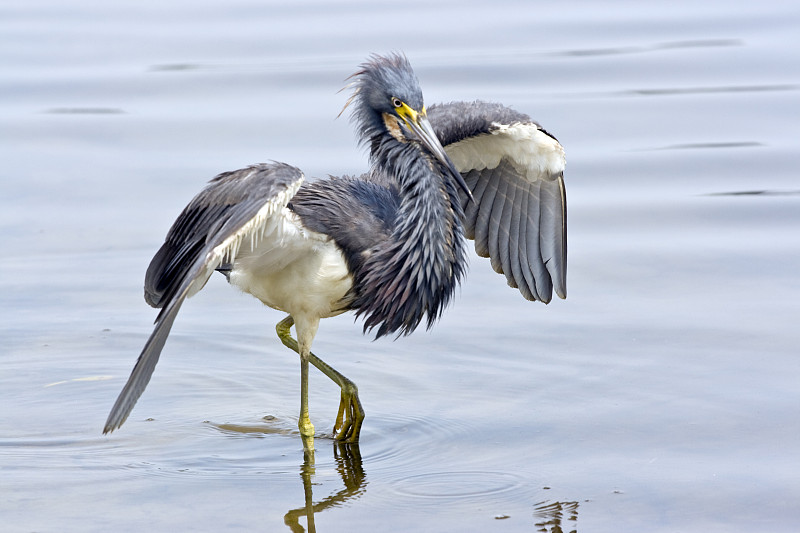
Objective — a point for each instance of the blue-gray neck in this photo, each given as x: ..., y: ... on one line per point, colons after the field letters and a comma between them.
x: 415, y: 273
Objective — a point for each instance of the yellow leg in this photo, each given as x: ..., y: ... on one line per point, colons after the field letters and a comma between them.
x: 351, y: 414
x: 305, y: 425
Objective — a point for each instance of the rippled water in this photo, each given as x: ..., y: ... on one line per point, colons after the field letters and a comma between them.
x: 662, y: 395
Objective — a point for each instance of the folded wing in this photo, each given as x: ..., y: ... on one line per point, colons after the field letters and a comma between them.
x: 236, y: 208
x: 515, y: 170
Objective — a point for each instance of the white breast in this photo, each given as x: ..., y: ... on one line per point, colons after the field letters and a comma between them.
x: 292, y: 269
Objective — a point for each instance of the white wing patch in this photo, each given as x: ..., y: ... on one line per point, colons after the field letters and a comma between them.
x: 255, y: 228
x: 533, y: 153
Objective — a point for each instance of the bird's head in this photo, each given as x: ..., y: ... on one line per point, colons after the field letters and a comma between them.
x: 387, y: 100
x: 385, y: 85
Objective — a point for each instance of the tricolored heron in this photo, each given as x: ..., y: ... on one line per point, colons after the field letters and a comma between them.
x: 388, y: 245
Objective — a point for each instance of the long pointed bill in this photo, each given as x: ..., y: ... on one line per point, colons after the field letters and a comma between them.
x: 422, y: 128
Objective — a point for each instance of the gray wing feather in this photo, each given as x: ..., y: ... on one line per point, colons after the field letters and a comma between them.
x: 513, y: 225
x: 533, y: 245
x: 140, y: 376
x: 496, y: 228
x: 527, y: 285
x: 478, y: 187
x: 483, y: 220
x: 232, y: 207
x: 506, y: 235
x: 222, y: 208
x: 514, y: 169
x: 555, y: 227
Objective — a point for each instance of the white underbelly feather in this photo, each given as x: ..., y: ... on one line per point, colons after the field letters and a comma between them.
x: 293, y: 269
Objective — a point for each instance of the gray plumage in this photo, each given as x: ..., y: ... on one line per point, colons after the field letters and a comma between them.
x: 389, y: 244
x: 519, y: 216
x: 184, y: 263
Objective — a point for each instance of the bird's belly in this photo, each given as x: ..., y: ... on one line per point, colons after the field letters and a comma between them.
x: 306, y: 275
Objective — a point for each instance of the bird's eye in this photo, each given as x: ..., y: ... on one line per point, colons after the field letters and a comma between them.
x: 397, y: 102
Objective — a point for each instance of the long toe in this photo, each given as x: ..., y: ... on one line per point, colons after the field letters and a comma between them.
x: 349, y: 418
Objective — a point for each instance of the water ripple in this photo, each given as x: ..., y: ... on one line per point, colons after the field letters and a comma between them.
x: 405, y: 440
x: 458, y: 485
x: 758, y: 192
x: 619, y: 50
x: 681, y: 91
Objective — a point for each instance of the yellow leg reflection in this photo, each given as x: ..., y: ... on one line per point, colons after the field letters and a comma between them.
x: 351, y: 471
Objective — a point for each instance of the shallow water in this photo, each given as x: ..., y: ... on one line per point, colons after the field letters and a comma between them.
x: 662, y: 395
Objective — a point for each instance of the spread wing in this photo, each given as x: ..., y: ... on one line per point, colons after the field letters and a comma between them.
x: 235, y: 207
x: 515, y: 170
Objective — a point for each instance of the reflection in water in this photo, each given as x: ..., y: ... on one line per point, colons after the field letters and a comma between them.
x: 350, y: 468
x: 551, y: 514
x: 276, y: 426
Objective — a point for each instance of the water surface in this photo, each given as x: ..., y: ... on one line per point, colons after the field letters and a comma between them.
x: 662, y: 395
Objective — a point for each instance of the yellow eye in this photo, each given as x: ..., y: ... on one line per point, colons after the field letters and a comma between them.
x: 397, y: 102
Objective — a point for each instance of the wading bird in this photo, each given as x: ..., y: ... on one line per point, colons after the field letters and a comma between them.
x: 388, y: 245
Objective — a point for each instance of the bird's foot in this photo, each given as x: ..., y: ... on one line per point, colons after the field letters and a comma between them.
x: 351, y: 415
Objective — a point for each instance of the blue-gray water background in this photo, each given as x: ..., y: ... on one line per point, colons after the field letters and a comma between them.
x: 662, y: 395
